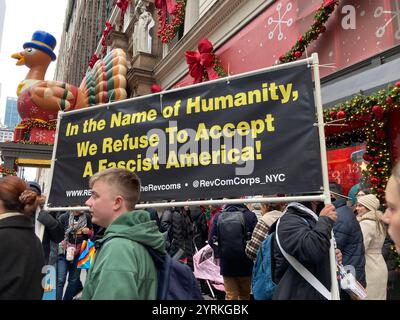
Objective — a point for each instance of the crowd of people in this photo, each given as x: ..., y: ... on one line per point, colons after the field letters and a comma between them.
x: 31, y: 238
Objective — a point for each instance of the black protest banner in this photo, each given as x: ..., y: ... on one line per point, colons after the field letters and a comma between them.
x: 253, y: 134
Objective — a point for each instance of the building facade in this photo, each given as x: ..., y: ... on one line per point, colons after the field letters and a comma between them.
x: 83, y: 27
x: 6, y: 134
x: 358, y: 48
x: 11, y: 118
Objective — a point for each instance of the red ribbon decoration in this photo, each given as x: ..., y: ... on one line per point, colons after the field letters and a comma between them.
x: 327, y: 3
x: 93, y: 60
x: 106, y: 32
x: 155, y: 88
x: 123, y: 5
x: 201, y: 61
x: 164, y: 6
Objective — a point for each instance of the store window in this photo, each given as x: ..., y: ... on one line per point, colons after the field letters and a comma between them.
x: 345, y: 166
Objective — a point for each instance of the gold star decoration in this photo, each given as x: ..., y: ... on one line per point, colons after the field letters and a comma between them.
x: 363, y: 166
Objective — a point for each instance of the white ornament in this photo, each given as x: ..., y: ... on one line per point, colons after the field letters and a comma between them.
x: 40, y: 136
x: 279, y: 22
x: 394, y: 15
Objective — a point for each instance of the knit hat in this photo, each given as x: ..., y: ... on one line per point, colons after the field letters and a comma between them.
x: 32, y: 185
x: 369, y: 201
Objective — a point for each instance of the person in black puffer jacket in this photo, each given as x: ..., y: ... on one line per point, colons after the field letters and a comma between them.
x: 200, y: 228
x: 182, y: 234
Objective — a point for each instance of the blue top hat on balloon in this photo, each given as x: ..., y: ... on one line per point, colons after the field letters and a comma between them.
x: 43, y: 41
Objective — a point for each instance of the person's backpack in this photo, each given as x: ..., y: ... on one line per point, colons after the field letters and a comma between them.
x: 262, y: 283
x: 175, y: 280
x: 232, y: 234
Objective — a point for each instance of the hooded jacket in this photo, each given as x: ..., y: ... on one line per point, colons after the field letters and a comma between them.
x: 122, y: 268
x: 307, y: 238
x: 21, y: 259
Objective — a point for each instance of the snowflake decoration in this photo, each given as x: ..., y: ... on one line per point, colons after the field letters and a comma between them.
x: 40, y: 136
x: 34, y: 110
x: 280, y: 21
x: 394, y: 15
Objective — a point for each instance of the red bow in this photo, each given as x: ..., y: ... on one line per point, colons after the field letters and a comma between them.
x: 164, y: 6
x: 123, y: 5
x: 200, y: 61
x: 327, y: 3
x: 155, y: 88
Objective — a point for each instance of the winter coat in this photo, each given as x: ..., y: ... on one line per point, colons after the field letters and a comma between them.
x: 349, y: 239
x: 76, y: 238
x: 123, y: 269
x: 307, y: 241
x: 200, y: 229
x: 166, y: 219
x: 260, y: 232
x: 181, y: 235
x: 242, y: 266
x: 53, y: 232
x: 375, y: 266
x: 22, y: 259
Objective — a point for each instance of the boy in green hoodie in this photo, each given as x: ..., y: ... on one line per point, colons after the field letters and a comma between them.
x: 122, y: 269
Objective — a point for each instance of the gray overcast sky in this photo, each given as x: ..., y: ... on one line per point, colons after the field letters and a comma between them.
x: 22, y: 19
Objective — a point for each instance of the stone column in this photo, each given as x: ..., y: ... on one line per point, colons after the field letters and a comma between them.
x: 191, y: 14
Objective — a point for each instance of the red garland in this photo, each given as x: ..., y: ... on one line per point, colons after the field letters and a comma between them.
x: 202, y: 63
x: 6, y: 172
x: 165, y: 6
x: 32, y: 123
x: 320, y: 18
x: 327, y: 3
x: 123, y: 6
x: 106, y: 32
x: 93, y: 60
x: 171, y: 15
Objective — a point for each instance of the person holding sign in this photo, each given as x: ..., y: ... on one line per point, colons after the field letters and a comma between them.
x: 307, y: 237
x: 122, y: 268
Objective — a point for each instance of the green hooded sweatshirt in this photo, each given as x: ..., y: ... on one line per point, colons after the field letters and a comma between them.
x: 123, y: 269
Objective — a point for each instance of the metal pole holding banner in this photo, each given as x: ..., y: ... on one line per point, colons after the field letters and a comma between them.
x: 325, y: 177
x: 208, y: 202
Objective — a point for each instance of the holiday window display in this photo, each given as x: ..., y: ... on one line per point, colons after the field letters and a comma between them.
x: 365, y: 118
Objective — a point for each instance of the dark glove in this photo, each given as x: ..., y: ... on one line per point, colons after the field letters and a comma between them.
x: 47, y: 219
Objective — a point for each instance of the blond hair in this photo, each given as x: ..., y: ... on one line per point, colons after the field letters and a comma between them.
x: 125, y: 182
